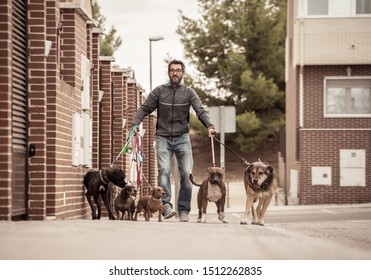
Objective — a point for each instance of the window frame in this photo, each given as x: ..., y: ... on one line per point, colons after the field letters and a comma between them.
x: 303, y: 10
x: 342, y: 115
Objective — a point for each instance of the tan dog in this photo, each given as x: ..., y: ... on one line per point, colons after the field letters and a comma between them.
x: 151, y: 204
x: 211, y: 189
x: 260, y: 185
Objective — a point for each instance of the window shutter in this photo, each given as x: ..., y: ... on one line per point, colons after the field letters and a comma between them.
x: 76, y: 138
x: 85, y: 83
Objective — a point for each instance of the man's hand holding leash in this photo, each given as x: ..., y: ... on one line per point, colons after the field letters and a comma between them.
x: 211, y: 131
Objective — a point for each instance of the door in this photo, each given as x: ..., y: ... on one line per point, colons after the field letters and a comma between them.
x: 19, y: 107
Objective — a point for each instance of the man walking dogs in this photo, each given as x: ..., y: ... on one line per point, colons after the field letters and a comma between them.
x: 173, y: 101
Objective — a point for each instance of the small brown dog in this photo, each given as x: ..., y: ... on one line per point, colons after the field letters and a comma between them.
x: 260, y: 185
x: 211, y: 189
x: 151, y: 204
x: 125, y: 203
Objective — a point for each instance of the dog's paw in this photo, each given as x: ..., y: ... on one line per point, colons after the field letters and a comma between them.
x: 243, y: 221
x: 221, y: 217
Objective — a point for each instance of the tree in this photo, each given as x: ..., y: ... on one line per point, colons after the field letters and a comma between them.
x: 240, y: 44
x: 109, y: 42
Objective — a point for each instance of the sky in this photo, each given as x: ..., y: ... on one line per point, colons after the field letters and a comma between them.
x: 138, y: 20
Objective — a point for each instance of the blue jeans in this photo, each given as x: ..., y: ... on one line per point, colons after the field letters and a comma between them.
x: 181, y: 146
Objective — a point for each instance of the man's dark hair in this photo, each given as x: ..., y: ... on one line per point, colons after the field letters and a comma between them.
x: 176, y: 62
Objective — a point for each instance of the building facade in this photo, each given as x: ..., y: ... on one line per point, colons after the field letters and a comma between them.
x: 63, y: 109
x: 327, y: 154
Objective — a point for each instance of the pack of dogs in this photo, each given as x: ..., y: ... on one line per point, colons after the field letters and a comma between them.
x: 259, y: 179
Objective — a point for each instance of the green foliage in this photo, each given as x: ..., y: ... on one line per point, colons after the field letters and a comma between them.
x: 109, y: 42
x: 239, y: 45
x: 196, y: 125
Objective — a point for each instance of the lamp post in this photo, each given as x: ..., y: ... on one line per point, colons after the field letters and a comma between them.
x: 151, y: 39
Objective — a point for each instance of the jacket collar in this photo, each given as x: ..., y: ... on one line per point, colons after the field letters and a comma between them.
x: 170, y: 84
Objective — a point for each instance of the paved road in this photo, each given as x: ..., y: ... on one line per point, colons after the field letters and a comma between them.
x: 335, y: 232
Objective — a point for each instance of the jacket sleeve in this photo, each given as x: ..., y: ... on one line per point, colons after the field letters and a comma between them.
x: 149, y: 105
x: 199, y: 109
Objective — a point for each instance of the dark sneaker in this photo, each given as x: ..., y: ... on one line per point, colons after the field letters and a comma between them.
x: 168, y: 211
x: 183, y: 217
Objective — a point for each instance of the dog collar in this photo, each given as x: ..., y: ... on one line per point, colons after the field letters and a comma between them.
x: 156, y: 199
x: 101, y: 178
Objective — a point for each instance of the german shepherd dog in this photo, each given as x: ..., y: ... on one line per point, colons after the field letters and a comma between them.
x: 260, y: 185
x: 96, y: 182
x: 212, y: 189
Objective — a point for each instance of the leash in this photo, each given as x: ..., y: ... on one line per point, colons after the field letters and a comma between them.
x: 212, y: 149
x: 128, y: 146
x: 230, y: 149
x: 137, y: 157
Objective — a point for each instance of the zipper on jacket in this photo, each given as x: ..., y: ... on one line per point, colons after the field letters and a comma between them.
x: 172, y: 114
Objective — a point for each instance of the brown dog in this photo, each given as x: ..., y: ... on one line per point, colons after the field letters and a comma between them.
x: 125, y: 203
x: 211, y: 189
x: 151, y: 204
x: 260, y: 185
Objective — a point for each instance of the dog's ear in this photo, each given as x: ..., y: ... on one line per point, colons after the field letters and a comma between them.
x: 270, y: 169
x: 249, y: 168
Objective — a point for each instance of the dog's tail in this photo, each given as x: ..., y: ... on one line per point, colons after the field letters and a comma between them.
x: 192, y: 181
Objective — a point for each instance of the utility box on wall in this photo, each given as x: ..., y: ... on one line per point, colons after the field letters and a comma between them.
x: 321, y: 175
x: 352, y: 167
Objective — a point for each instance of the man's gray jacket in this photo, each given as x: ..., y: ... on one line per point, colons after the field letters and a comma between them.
x: 172, y: 106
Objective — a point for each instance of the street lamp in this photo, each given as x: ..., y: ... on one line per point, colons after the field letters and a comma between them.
x: 151, y: 39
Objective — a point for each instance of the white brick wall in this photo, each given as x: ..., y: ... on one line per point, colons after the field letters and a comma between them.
x: 333, y: 41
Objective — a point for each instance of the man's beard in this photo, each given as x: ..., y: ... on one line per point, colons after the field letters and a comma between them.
x: 175, y: 79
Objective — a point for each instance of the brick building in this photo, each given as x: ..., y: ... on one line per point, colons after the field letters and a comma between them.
x: 63, y: 109
x: 327, y: 152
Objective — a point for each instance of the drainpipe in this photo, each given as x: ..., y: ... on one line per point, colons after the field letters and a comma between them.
x: 301, y: 76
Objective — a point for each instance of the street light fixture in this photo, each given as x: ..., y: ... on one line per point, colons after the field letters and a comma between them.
x: 151, y: 39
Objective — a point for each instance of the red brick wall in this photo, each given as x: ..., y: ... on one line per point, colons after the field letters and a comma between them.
x: 6, y: 110
x: 322, y: 148
x: 53, y: 197
x: 119, y: 93
x: 313, y: 97
x: 322, y: 138
x: 95, y: 80
x: 55, y: 187
x: 65, y: 193
x: 106, y: 115
x: 37, y: 110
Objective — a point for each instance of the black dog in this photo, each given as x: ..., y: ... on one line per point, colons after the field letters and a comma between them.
x: 96, y: 183
x: 125, y: 202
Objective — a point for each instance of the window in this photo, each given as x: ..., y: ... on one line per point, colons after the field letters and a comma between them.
x: 334, y: 8
x: 317, y: 7
x: 347, y: 97
x: 363, y: 7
